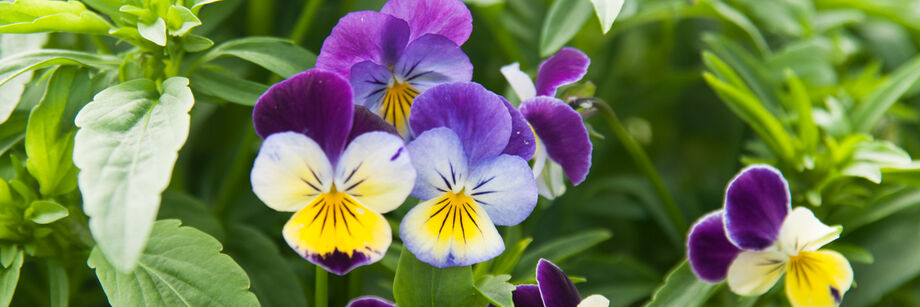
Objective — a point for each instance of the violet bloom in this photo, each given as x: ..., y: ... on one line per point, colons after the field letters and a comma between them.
x: 471, y: 157
x: 392, y: 56
x: 563, y: 144
x: 553, y: 289
x: 328, y: 160
x: 757, y: 238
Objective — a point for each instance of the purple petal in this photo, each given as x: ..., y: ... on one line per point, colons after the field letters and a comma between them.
x: 756, y: 203
x: 340, y: 263
x: 561, y: 129
x: 527, y: 296
x: 522, y: 142
x: 565, y: 67
x: 449, y: 18
x: 370, y: 81
x: 475, y: 114
x: 433, y: 60
x: 363, y: 36
x: 366, y: 121
x: 370, y: 301
x: 316, y: 103
x: 708, y: 249
x: 556, y: 288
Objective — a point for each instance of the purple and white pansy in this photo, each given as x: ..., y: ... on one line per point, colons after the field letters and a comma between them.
x: 472, y: 175
x: 338, y: 166
x: 757, y: 237
x: 392, y: 56
x: 563, y: 145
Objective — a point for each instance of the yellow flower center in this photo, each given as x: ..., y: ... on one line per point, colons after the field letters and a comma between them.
x: 396, y: 103
x: 454, y: 216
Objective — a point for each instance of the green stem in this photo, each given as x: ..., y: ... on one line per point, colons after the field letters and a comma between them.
x: 101, y: 47
x: 303, y: 22
x: 260, y: 15
x: 322, y: 288
x: 644, y: 163
x: 355, y: 282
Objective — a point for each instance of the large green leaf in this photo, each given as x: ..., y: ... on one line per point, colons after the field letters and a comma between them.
x: 126, y: 147
x: 681, y: 288
x: 277, y: 55
x: 31, y: 16
x: 15, y: 65
x: 560, y: 249
x: 420, y: 284
x: 273, y: 281
x: 181, y: 266
x: 563, y: 21
x: 9, y: 277
x: 49, y: 141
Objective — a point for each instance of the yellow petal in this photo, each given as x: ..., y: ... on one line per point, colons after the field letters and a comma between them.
x: 338, y: 233
x: 818, y: 278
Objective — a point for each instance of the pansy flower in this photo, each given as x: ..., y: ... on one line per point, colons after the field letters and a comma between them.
x: 757, y: 237
x: 553, y: 289
x: 393, y: 55
x: 334, y: 164
x: 563, y: 145
x: 472, y: 175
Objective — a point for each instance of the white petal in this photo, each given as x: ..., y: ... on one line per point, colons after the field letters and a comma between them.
x: 440, y: 163
x: 595, y: 300
x: 802, y: 231
x: 755, y: 272
x: 520, y: 81
x: 290, y: 171
x: 375, y: 170
x: 551, y: 183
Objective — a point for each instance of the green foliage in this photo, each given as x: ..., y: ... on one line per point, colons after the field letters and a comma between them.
x: 559, y: 250
x: 420, y: 284
x: 276, y: 55
x: 681, y: 288
x: 126, y: 147
x: 30, y: 16
x: 607, y: 11
x: 563, y: 21
x: 180, y: 266
x: 496, y: 289
x: 45, y: 212
x: 9, y: 273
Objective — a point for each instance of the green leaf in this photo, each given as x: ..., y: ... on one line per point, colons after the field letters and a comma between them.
x: 881, y: 152
x: 196, y: 43
x: 181, y: 20
x: 868, y: 112
x: 420, y: 284
x: 15, y: 65
x: 737, y: 18
x: 154, y: 32
x: 902, y: 174
x: 560, y: 249
x: 607, y: 11
x: 496, y: 289
x: 11, y: 44
x: 892, y: 243
x: 49, y: 137
x: 9, y: 277
x: 563, y: 20
x: 31, y: 16
x: 214, y: 81
x: 273, y: 281
x: 8, y: 252
x: 181, y: 266
x: 277, y: 55
x: 798, y: 95
x: 877, y: 209
x: 681, y: 288
x: 504, y: 263
x: 126, y: 147
x: 45, y: 212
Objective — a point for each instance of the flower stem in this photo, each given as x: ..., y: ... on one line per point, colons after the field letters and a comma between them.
x: 303, y: 22
x: 644, y: 163
x: 236, y: 175
x: 322, y: 287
